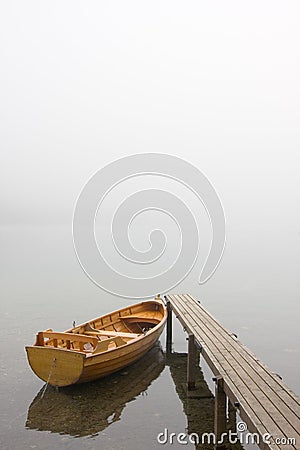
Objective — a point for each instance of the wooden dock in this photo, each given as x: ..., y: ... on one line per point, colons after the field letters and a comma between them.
x: 265, y: 404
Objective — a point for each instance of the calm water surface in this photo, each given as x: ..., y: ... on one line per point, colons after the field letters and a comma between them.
x: 43, y: 286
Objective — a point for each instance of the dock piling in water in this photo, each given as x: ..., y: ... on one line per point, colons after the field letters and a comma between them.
x: 191, y: 363
x: 169, y: 332
x: 220, y: 409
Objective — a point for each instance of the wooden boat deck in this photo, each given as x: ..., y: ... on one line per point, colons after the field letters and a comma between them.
x: 264, y: 402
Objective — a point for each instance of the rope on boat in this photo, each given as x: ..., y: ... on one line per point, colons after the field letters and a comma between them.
x: 50, y: 373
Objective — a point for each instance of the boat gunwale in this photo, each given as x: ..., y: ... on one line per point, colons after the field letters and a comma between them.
x: 120, y: 310
x: 138, y: 338
x: 77, y: 352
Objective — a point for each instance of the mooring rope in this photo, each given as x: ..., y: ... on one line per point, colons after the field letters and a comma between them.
x: 42, y: 395
x: 50, y: 373
x: 44, y: 390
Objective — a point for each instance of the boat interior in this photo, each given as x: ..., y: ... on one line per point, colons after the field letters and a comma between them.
x: 107, y: 332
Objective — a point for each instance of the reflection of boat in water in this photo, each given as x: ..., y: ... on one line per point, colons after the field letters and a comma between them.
x: 87, y: 409
x: 99, y: 347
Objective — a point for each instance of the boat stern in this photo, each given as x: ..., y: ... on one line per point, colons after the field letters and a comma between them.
x: 56, y: 366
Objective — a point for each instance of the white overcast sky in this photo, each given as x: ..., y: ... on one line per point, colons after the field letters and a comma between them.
x: 84, y: 83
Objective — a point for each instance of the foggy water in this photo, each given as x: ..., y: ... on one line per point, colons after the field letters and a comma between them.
x: 43, y: 286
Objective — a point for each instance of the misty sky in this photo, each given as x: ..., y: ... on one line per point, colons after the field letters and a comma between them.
x: 84, y: 83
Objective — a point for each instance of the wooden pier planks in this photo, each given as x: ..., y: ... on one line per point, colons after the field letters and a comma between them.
x: 266, y: 404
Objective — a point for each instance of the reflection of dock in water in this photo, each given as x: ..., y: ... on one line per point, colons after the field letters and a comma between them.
x: 198, y: 404
x: 87, y: 409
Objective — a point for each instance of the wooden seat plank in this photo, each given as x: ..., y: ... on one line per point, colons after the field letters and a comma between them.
x: 112, y: 334
x: 103, y: 346
x: 72, y: 337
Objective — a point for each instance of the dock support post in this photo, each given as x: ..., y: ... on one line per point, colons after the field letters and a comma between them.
x: 191, y: 362
x: 169, y: 328
x: 220, y: 411
x: 231, y: 417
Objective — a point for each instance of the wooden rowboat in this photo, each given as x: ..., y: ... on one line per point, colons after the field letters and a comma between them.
x: 99, y: 347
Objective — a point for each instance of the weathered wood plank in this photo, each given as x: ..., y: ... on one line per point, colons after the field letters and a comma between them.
x: 274, y: 382
x: 259, y: 378
x: 230, y: 389
x: 294, y: 422
x: 251, y: 391
x: 239, y: 388
x: 266, y: 404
